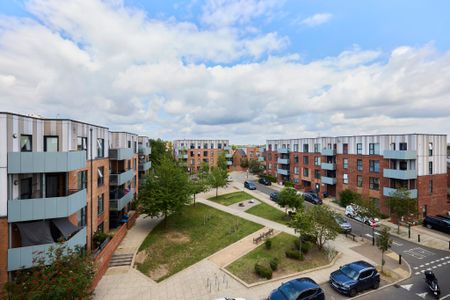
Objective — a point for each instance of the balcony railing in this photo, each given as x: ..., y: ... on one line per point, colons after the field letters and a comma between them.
x: 328, y: 166
x: 261, y: 158
x: 121, y: 178
x: 387, y: 191
x: 229, y: 163
x: 145, y: 166
x: 400, y: 174
x: 228, y: 155
x: 283, y: 161
x: 227, y: 148
x: 328, y: 152
x: 283, y: 172
x: 46, y: 208
x: 283, y: 150
x: 121, y: 153
x: 45, y: 162
x: 144, y: 150
x: 118, y: 199
x: 399, y: 154
x: 328, y: 180
x: 24, y: 257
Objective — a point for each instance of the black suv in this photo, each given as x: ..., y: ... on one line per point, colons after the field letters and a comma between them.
x: 312, y: 198
x: 440, y: 223
x: 264, y: 181
x: 274, y: 196
x: 355, y: 277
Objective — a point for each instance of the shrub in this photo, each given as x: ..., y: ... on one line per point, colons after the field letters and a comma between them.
x: 274, y: 263
x: 268, y: 244
x: 288, y: 184
x: 306, y: 245
x: 269, y: 177
x: 348, y: 196
x: 263, y: 271
x: 99, y: 238
x: 294, y: 254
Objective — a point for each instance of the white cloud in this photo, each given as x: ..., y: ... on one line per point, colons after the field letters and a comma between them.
x: 316, y: 19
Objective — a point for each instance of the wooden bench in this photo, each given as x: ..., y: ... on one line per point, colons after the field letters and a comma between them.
x: 352, y: 235
x: 262, y: 236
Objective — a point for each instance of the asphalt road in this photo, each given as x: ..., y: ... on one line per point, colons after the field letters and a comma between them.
x: 420, y: 258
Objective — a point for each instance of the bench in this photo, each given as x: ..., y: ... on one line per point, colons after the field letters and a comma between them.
x: 263, y: 236
x: 352, y: 235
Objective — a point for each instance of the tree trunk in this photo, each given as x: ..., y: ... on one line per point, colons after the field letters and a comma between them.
x: 398, y: 226
x: 300, y: 244
x: 194, y: 199
x: 382, y: 261
x: 217, y: 191
x: 165, y: 219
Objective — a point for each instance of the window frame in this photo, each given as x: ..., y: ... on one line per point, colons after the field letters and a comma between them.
x: 46, y: 144
x: 30, y: 141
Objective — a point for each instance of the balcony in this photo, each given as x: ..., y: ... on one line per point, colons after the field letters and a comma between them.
x: 145, y: 166
x: 328, y: 152
x: 328, y: 166
x: 229, y: 163
x: 400, y: 174
x: 283, y: 161
x: 227, y: 148
x: 45, y: 162
x: 399, y: 154
x: 328, y: 180
x: 144, y: 150
x: 23, y: 257
x: 387, y: 191
x: 228, y: 155
x: 283, y: 150
x: 121, y: 153
x: 46, y: 208
x: 261, y: 158
x: 119, y: 199
x: 121, y: 178
x: 283, y: 172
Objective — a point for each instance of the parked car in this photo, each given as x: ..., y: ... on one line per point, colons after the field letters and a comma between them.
x: 274, y: 196
x: 441, y: 223
x: 264, y: 181
x: 355, y: 277
x: 355, y: 212
x: 345, y: 226
x: 312, y: 198
x: 250, y: 185
x: 300, y: 289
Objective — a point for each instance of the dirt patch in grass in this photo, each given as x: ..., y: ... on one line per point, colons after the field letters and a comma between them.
x: 158, y: 273
x: 140, y: 257
x: 177, y: 237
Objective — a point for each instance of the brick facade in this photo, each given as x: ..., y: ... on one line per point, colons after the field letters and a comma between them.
x: 3, y: 254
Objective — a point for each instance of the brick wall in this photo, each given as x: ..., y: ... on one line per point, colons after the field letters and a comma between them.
x: 436, y: 201
x: 3, y: 254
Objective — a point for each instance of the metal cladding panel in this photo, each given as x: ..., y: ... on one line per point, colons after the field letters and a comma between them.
x: 45, y: 162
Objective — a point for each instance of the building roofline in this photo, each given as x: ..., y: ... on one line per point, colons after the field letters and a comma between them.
x: 126, y: 132
x: 359, y: 135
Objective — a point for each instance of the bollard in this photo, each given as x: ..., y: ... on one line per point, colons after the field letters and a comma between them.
x: 409, y: 231
x: 399, y: 259
x: 448, y: 245
x: 418, y: 238
x: 373, y: 236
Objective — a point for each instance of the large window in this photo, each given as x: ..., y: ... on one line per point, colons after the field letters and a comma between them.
x: 345, y: 178
x: 317, y: 174
x: 306, y: 172
x: 305, y: 148
x: 316, y: 148
x: 359, y: 165
x: 430, y: 149
x: 295, y: 147
x: 317, y: 160
x: 295, y: 170
x: 345, y: 148
x: 374, y: 149
x: 359, y: 181
x: 374, y: 183
x: 296, y: 159
x: 100, y: 148
x: 100, y: 177
x: 100, y: 204
x: 374, y: 166
x: 81, y: 217
x: 82, y: 144
x: 345, y: 163
x: 430, y: 186
x: 359, y: 148
x: 306, y: 160
x: 51, y: 144
x: 26, y: 143
x: 403, y: 146
x: 82, y: 180
x: 430, y: 167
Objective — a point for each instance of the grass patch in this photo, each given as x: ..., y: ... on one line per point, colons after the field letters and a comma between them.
x: 231, y: 198
x: 244, y: 266
x: 187, y: 239
x: 268, y: 212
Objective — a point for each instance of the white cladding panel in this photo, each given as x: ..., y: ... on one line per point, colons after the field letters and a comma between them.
x: 3, y: 192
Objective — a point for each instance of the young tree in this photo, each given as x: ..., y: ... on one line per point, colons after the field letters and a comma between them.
x: 244, y: 163
x: 204, y: 169
x: 303, y: 225
x: 217, y: 178
x: 348, y: 196
x: 402, y: 205
x: 159, y: 150
x: 290, y: 198
x: 255, y: 167
x: 384, y: 242
x: 222, y: 162
x: 166, y: 190
x: 68, y: 276
x: 325, y: 227
x: 199, y: 185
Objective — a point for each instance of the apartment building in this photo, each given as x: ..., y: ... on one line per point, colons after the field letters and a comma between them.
x: 249, y: 153
x: 373, y: 165
x: 124, y: 176
x: 194, y: 152
x: 144, y: 150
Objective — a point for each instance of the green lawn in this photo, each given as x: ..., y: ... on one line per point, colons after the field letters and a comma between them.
x: 186, y: 239
x: 244, y: 266
x: 231, y: 198
x: 266, y: 211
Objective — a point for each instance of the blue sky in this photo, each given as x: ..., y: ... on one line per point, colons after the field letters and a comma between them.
x: 218, y: 68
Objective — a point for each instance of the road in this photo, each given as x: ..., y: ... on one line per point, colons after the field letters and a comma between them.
x: 419, y: 258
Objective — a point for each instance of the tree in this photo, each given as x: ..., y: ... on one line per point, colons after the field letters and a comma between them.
x: 290, y: 198
x: 244, y: 163
x: 199, y: 185
x: 255, y: 167
x: 222, y: 162
x: 401, y: 205
x: 217, y: 178
x: 159, y: 150
x: 325, y: 227
x: 166, y: 190
x: 68, y: 276
x: 348, y: 196
x: 384, y: 242
x: 204, y: 169
x: 303, y: 225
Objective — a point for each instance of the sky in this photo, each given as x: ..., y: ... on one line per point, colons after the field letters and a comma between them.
x: 241, y: 70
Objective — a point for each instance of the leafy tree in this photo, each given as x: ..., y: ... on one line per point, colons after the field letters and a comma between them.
x: 217, y: 178
x: 384, y: 242
x: 303, y: 224
x: 204, y: 169
x: 222, y: 162
x: 348, y: 196
x: 159, y: 150
x: 401, y: 205
x: 68, y: 276
x: 244, y: 163
x: 290, y: 198
x: 199, y: 185
x: 325, y: 227
x: 255, y: 167
x: 166, y: 190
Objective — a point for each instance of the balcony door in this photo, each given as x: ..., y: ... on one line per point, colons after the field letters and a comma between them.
x: 51, y: 186
x: 25, y: 188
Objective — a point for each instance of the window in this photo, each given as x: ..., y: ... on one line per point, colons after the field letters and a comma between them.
x: 317, y: 174
x: 345, y: 148
x: 374, y: 149
x: 100, y: 178
x: 192, y: 146
x: 317, y: 160
x: 430, y: 186
x: 359, y: 181
x: 430, y: 149
x: 295, y: 147
x: 25, y: 143
x: 129, y: 144
x: 306, y: 160
x: 199, y: 146
x: 316, y: 148
x: 345, y: 163
x: 359, y: 165
x: 269, y: 156
x: 392, y: 147
x: 135, y: 147
x: 212, y: 145
x: 51, y: 144
x: 374, y: 183
x: 219, y: 145
x: 82, y: 180
x: 129, y: 164
x: 430, y: 167
x: 296, y: 180
x: 100, y: 204
x: 306, y: 172
x: 81, y: 217
x: 296, y: 159
x: 295, y: 170
x: 403, y: 146
x: 205, y: 153
x: 82, y: 144
x: 345, y: 178
x: 205, y: 146
x: 374, y: 166
x: 270, y: 166
x: 100, y: 148
x: 305, y: 148
x: 359, y: 148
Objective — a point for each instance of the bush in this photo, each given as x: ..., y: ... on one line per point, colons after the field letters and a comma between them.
x: 288, y: 184
x: 99, y: 238
x: 294, y: 254
x: 268, y: 244
x: 274, y: 263
x: 269, y: 177
x: 263, y: 271
x: 306, y: 245
x: 348, y: 196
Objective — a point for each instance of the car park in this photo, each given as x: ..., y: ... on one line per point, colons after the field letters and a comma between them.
x: 300, y: 289
x: 355, y: 212
x: 355, y: 277
x: 250, y: 185
x: 312, y: 198
x: 264, y: 181
x: 345, y: 226
x: 274, y: 196
x: 441, y: 223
